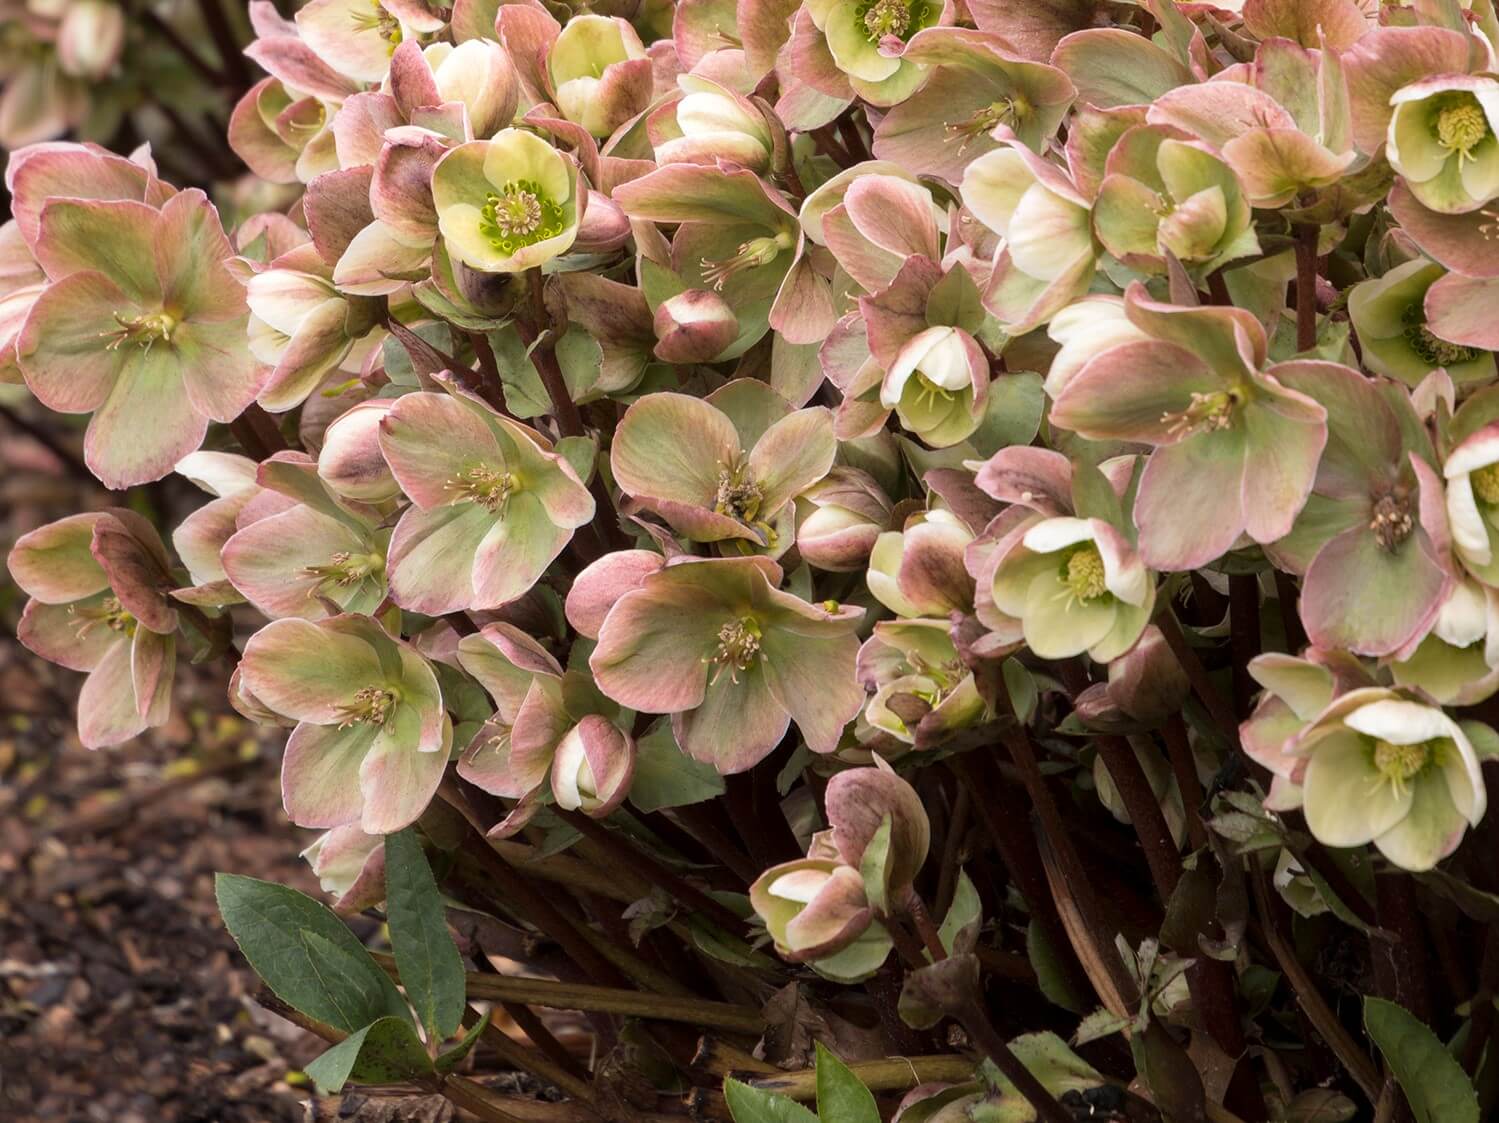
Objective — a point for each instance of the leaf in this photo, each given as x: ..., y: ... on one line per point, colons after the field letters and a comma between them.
x: 1475, y: 902
x: 665, y: 776
x: 840, y: 1094
x: 751, y: 1105
x: 426, y: 956
x: 1099, y: 1024
x: 960, y: 927
x: 386, y: 1051
x: 1012, y: 415
x: 1320, y: 1105
x: 525, y: 393
x: 306, y: 954
x: 580, y: 453
x: 1021, y: 685
x: 956, y: 300
x: 447, y: 1062
x: 1050, y: 976
x: 1435, y: 1085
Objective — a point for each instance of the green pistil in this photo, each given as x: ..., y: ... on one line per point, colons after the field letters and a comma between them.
x: 738, y: 496
x: 1398, y: 765
x: 1431, y: 349
x: 1006, y: 111
x: 108, y: 612
x: 928, y: 393
x: 1084, y: 574
x: 519, y: 215
x: 883, y: 18
x: 142, y: 331
x: 1461, y: 125
x: 1486, y: 484
x: 381, y: 22
x: 344, y: 569
x: 751, y: 255
x: 1206, y: 413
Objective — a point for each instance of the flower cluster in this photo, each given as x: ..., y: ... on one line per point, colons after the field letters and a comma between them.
x: 674, y: 391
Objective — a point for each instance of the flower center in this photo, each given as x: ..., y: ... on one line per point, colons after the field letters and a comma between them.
x: 1006, y: 111
x: 344, y: 569
x: 108, y: 612
x: 882, y: 18
x: 1486, y: 483
x: 373, y: 705
x: 519, y: 215
x: 738, y: 497
x: 1462, y: 126
x: 483, y: 485
x: 738, y: 647
x: 142, y: 331
x: 1206, y: 413
x: 928, y: 393
x: 1431, y: 349
x: 1398, y: 765
x: 752, y: 254
x: 378, y: 20
x: 1085, y: 575
x: 1393, y: 519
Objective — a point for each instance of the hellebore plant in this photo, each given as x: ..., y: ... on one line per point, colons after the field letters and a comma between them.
x: 798, y: 518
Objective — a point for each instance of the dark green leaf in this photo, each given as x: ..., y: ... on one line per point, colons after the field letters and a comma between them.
x: 428, y: 960
x: 448, y: 1061
x: 665, y: 776
x: 384, y: 1052
x: 1437, y: 1088
x: 306, y: 954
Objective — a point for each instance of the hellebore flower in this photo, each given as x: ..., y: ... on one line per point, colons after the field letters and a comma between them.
x: 492, y: 504
x: 868, y: 37
x: 922, y: 690
x: 1373, y: 541
x: 98, y: 605
x: 1049, y: 254
x: 1442, y: 140
x: 1086, y: 328
x: 858, y: 803
x: 350, y: 461
x: 684, y: 458
x: 733, y: 659
x: 1457, y: 663
x: 301, y: 326
x: 1297, y: 690
x: 372, y: 739
x: 919, y: 570
x: 974, y: 84
x: 1236, y: 450
x: 1076, y: 585
x: 350, y: 865
x: 553, y: 735
x: 507, y: 204
x: 283, y: 135
x: 142, y: 326
x: 357, y: 37
x: 310, y: 556
x: 1168, y: 196
x: 709, y: 122
x: 90, y: 38
x: 1389, y: 315
x: 845, y: 512
x: 1472, y: 474
x: 814, y: 908
x: 1398, y: 773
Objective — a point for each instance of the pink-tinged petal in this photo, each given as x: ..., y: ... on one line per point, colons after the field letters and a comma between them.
x: 1284, y: 439
x: 1337, y: 24
x: 1385, y: 60
x: 540, y: 723
x: 107, y: 712
x: 737, y: 724
x: 803, y: 311
x: 190, y: 251
x: 548, y: 478
x: 58, y: 633
x: 859, y: 800
x: 1461, y: 310
x: 792, y: 455
x: 895, y: 214
x: 1371, y: 601
x: 308, y: 672
x: 127, y: 548
x: 62, y: 348
x: 54, y: 563
x: 320, y: 774
x: 1112, y: 67
x: 359, y: 128
x: 411, y: 80
x: 255, y: 142
x: 1344, y: 804
x: 813, y: 681
x: 610, y: 756
x: 1267, y: 732
x: 199, y: 538
x: 595, y: 590
x: 220, y: 374
x: 1274, y: 165
x: 398, y: 781
x: 1217, y: 112
x: 673, y: 447
x: 271, y: 562
x: 337, y: 206
x: 146, y: 424
x: 430, y: 564
x: 153, y: 662
x: 1129, y: 391
x: 1230, y: 340
x: 1458, y: 241
x: 515, y: 552
x: 72, y: 171
x: 504, y: 660
x: 114, y: 237
x: 486, y: 761
x: 401, y: 190
x: 1189, y: 508
x: 1033, y: 477
x: 430, y: 440
x: 654, y: 647
x: 299, y: 66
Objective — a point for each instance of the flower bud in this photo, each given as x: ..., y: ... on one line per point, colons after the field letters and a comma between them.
x: 1147, y: 682
x: 90, y: 38
x: 593, y: 767
x: 858, y: 802
x: 600, y: 70
x: 604, y: 227
x: 710, y: 124
x: 920, y: 571
x: 694, y: 326
x: 845, y: 513
x: 350, y: 865
x: 812, y: 908
x: 478, y: 73
x: 350, y: 461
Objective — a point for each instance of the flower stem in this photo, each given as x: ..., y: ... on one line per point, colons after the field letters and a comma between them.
x: 1306, y: 286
